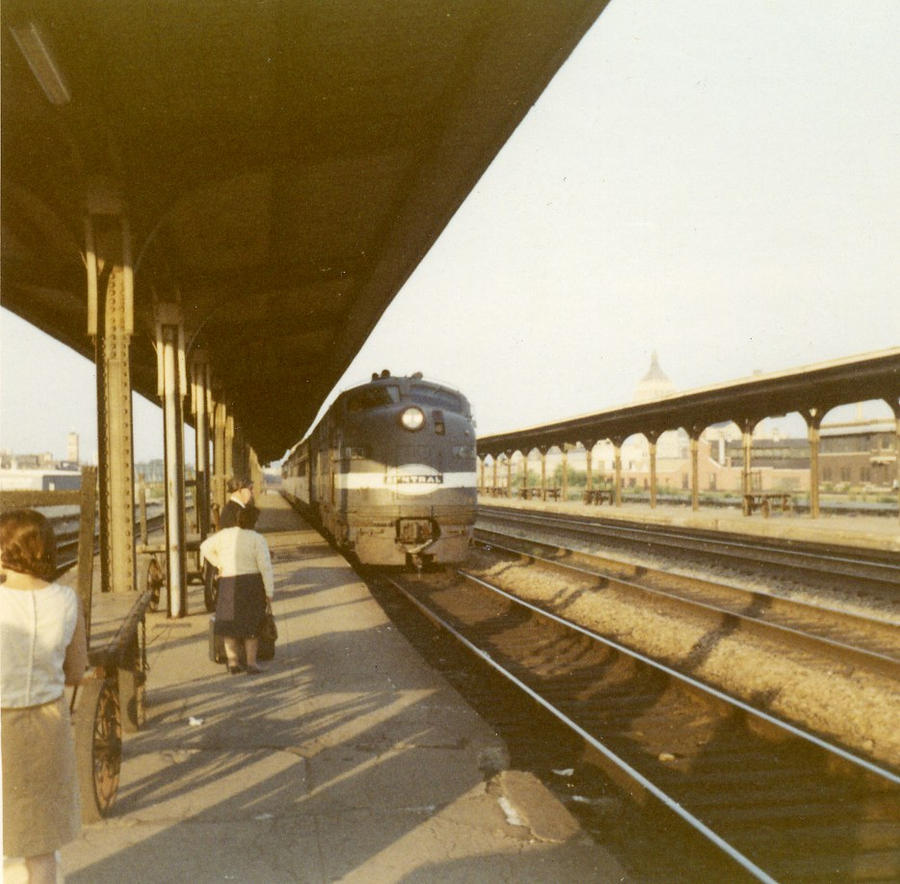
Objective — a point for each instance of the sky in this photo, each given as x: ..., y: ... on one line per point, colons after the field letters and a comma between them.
x: 716, y: 182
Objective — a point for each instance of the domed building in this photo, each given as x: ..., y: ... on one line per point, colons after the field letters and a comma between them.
x: 653, y: 385
x: 719, y: 465
x: 672, y: 446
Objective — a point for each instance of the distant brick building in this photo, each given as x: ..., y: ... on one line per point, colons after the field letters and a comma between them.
x: 859, y: 453
x: 785, y: 454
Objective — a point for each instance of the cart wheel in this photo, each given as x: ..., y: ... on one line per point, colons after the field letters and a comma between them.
x: 132, y: 699
x: 210, y: 586
x: 98, y: 747
x: 154, y: 582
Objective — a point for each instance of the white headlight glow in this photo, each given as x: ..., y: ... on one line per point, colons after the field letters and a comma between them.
x: 413, y: 419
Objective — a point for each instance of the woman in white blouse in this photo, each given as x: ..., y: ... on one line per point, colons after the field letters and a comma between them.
x: 43, y: 647
x: 246, y: 587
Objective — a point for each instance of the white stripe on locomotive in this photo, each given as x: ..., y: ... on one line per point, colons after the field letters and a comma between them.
x: 404, y: 482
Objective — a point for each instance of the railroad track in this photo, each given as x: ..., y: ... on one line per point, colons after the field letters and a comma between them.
x: 779, y: 802
x: 850, y: 637
x: 65, y: 527
x: 879, y: 570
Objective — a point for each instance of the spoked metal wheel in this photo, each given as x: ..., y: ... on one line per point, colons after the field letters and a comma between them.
x: 98, y: 747
x: 210, y: 586
x: 154, y: 582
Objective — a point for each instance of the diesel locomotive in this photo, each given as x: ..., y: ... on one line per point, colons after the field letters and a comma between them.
x: 389, y: 472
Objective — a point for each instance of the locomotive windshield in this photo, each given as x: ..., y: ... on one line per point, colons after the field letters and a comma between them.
x: 441, y: 398
x: 372, y: 397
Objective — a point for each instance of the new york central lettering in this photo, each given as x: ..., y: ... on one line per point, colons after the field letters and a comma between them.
x: 409, y: 479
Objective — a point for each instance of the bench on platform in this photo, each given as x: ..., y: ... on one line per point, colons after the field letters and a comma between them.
x: 597, y: 495
x: 538, y: 493
x: 766, y: 500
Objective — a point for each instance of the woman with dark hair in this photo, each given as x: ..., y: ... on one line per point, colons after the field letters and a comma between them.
x: 246, y: 587
x: 240, y: 493
x: 43, y: 647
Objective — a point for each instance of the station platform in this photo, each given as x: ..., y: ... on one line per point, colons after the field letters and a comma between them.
x: 349, y: 759
x: 875, y: 532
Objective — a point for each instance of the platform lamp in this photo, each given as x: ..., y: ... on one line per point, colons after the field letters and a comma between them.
x: 33, y: 47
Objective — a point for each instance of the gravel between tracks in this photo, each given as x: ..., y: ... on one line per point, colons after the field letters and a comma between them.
x: 858, y: 709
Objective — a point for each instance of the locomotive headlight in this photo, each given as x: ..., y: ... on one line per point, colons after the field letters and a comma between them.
x: 412, y: 419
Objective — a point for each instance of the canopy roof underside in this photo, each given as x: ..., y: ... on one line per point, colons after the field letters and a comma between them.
x: 285, y: 166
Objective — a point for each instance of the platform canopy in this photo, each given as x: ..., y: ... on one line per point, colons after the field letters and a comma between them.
x: 811, y: 390
x: 284, y: 166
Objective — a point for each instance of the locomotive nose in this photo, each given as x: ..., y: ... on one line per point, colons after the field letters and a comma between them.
x: 414, y: 532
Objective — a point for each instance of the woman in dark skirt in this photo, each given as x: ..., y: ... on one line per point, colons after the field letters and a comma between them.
x: 246, y: 587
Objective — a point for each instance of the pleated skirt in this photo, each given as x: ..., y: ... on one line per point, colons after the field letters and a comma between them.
x: 41, y: 806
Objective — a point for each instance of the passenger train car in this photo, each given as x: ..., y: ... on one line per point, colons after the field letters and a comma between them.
x: 40, y: 480
x: 390, y: 472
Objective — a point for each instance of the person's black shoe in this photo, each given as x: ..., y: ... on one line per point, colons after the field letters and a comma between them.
x: 254, y: 670
x: 235, y: 670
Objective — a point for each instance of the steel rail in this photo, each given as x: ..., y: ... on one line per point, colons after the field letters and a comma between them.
x: 695, y: 823
x: 806, y: 556
x: 699, y: 685
x: 67, y: 543
x: 667, y: 800
x: 803, y: 608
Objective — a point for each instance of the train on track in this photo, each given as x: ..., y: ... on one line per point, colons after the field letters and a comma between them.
x: 40, y: 480
x: 389, y: 472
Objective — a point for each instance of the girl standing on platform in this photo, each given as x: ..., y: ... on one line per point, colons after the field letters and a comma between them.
x: 246, y: 587
x: 43, y: 647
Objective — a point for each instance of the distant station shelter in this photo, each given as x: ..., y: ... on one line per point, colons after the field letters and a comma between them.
x: 728, y: 439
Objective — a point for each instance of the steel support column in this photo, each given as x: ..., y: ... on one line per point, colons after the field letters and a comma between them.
x: 229, y: 449
x: 172, y: 382
x: 494, y: 471
x: 813, y: 417
x: 617, y: 462
x: 543, y: 453
x: 565, y: 471
x: 110, y: 298
x: 524, y: 473
x: 651, y: 444
x: 588, y: 465
x: 240, y: 463
x: 199, y: 406
x: 219, y: 474
x: 747, y: 425
x: 695, y: 472
x: 509, y: 474
x: 254, y: 471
